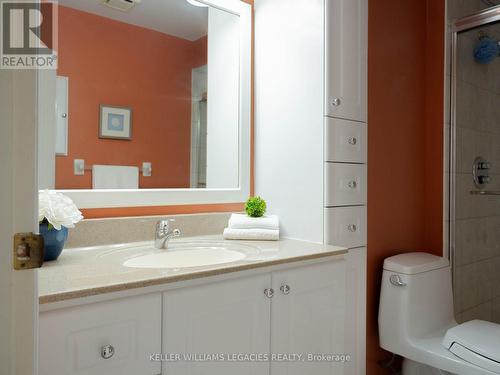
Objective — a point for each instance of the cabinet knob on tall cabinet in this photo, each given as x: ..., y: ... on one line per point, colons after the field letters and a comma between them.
x: 336, y: 102
x: 107, y: 351
x: 269, y: 292
x: 352, y: 140
x: 285, y: 289
x: 352, y: 228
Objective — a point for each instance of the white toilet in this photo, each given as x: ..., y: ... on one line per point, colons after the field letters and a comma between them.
x: 416, y: 321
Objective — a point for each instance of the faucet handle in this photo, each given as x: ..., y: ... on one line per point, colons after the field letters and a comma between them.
x: 163, y: 233
x: 163, y: 226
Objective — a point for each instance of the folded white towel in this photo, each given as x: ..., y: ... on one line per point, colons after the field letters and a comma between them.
x: 115, y: 177
x: 251, y: 234
x: 241, y: 221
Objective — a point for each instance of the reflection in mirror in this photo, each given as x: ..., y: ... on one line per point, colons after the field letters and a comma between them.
x: 146, y: 97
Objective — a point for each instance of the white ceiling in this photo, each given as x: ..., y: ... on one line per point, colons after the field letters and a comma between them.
x: 174, y: 17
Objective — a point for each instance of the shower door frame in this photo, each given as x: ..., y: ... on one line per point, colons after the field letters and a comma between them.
x: 475, y: 20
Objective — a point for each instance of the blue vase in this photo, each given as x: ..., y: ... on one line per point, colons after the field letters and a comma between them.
x: 54, y: 241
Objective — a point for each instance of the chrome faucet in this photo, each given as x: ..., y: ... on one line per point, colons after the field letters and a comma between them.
x: 163, y: 234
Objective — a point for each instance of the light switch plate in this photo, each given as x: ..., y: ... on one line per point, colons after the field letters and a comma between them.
x: 79, y: 167
x: 146, y: 169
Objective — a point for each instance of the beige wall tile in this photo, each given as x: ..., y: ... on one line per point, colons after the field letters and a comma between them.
x: 462, y: 8
x: 482, y: 312
x: 495, y: 310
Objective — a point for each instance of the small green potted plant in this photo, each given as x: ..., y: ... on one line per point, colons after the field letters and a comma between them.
x: 255, y: 207
x: 56, y: 213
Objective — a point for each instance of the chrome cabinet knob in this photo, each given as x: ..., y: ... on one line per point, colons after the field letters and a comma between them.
x: 269, y: 292
x: 64, y: 115
x: 285, y: 289
x: 352, y: 184
x: 352, y: 140
x: 336, y: 102
x: 107, y: 351
x: 352, y: 228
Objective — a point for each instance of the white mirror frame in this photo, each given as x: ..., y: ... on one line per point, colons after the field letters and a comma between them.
x: 100, y: 198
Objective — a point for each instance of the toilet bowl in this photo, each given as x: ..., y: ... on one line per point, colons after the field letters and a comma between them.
x: 416, y: 321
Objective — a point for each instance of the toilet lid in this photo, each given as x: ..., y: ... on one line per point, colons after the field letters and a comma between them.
x: 476, y: 342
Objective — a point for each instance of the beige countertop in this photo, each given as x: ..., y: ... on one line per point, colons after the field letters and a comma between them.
x: 90, y: 271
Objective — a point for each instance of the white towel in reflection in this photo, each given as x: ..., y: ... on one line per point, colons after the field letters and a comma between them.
x: 242, y: 221
x: 115, y: 177
x: 251, y: 234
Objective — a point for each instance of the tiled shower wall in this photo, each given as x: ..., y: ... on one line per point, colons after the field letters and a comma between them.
x: 477, y: 218
x: 461, y: 8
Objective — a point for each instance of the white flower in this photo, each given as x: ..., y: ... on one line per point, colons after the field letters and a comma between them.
x: 58, y: 209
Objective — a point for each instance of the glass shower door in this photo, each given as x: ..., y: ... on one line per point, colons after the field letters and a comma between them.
x: 475, y: 173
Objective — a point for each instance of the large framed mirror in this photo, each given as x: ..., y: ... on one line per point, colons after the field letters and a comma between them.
x: 152, y: 103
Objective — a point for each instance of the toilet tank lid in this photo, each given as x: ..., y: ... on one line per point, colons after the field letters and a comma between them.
x: 413, y: 263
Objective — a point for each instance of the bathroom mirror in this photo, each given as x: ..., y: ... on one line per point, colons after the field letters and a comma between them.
x: 152, y: 103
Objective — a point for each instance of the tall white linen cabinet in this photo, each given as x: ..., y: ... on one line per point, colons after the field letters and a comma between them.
x: 311, y: 134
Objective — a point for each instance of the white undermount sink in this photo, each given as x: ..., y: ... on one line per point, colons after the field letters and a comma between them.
x: 191, y: 254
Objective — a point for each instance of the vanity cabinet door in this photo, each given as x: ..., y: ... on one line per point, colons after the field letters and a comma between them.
x: 346, y: 59
x: 308, y: 316
x: 115, y: 337
x: 227, y: 317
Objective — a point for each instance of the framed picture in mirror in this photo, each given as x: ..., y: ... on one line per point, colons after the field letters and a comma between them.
x: 115, y: 122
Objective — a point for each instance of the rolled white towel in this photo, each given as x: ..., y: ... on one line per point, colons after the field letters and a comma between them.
x: 251, y: 234
x: 241, y: 221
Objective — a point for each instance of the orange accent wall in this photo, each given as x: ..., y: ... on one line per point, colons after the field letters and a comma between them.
x: 405, y: 141
x: 434, y: 120
x: 114, y: 63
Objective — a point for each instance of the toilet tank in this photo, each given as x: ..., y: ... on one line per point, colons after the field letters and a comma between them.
x: 416, y: 299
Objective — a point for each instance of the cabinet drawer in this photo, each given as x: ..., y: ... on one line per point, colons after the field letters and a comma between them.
x: 345, y: 141
x: 345, y: 184
x: 345, y: 226
x: 72, y: 340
